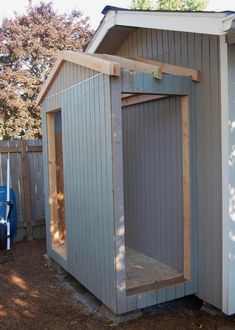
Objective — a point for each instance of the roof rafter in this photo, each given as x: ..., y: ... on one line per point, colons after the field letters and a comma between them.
x: 132, y: 64
x: 170, y: 68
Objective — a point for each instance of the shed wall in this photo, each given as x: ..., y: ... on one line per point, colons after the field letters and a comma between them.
x: 230, y: 232
x: 88, y: 185
x: 201, y: 52
x: 88, y: 178
x: 69, y: 75
x: 152, y: 145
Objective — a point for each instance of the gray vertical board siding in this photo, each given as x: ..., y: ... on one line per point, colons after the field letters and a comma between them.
x: 201, y: 52
x: 69, y: 75
x: 88, y: 185
x: 152, y: 143
x: 230, y: 233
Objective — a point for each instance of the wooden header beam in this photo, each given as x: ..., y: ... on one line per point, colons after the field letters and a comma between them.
x: 132, y: 64
x: 142, y: 98
x: 170, y: 68
x: 102, y: 65
x: 112, y: 64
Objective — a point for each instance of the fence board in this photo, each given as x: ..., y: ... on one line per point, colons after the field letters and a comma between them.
x: 33, y: 212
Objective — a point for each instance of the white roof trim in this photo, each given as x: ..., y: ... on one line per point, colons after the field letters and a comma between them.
x: 205, y: 23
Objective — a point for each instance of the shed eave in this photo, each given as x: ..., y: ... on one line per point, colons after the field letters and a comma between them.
x: 205, y: 23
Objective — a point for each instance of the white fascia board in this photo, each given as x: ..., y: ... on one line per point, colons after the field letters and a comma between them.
x: 185, y: 22
x: 227, y: 22
x: 107, y: 23
x: 205, y: 23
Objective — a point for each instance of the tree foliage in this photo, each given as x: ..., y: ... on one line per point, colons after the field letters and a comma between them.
x: 183, y: 5
x: 142, y: 4
x: 29, y: 45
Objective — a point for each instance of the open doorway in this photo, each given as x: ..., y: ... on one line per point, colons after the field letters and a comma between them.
x: 156, y: 191
x: 56, y: 182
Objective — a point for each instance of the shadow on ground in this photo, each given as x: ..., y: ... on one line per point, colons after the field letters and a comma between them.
x: 33, y: 296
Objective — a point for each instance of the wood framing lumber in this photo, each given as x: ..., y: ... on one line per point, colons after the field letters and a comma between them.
x: 132, y: 64
x: 86, y: 60
x: 170, y: 68
x: 52, y: 176
x: 186, y: 187
x: 102, y: 65
x: 136, y: 99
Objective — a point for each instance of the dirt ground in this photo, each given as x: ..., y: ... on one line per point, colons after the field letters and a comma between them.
x: 32, y: 296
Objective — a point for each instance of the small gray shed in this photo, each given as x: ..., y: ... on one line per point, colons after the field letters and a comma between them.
x: 119, y: 141
x: 143, y: 197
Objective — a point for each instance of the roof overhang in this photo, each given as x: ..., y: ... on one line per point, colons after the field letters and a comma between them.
x: 112, y: 65
x: 195, y: 22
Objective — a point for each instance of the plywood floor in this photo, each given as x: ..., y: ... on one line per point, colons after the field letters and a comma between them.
x: 144, y: 273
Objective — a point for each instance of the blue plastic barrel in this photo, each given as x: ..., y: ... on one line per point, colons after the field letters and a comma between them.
x: 12, y: 216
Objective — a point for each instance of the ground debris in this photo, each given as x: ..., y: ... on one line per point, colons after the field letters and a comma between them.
x: 33, y: 296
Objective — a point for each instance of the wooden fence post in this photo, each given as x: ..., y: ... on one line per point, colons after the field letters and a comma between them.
x: 26, y: 190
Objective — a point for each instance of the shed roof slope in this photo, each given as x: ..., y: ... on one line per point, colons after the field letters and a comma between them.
x: 224, y: 12
x: 119, y: 21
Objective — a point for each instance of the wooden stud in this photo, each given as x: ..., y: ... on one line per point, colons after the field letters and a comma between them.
x: 52, y: 176
x: 142, y: 98
x: 132, y: 64
x: 186, y: 187
x: 26, y: 190
x: 170, y: 68
x: 60, y: 187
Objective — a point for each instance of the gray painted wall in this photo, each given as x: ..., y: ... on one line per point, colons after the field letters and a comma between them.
x: 69, y: 75
x: 195, y: 50
x: 88, y: 185
x: 152, y: 146
x: 230, y: 234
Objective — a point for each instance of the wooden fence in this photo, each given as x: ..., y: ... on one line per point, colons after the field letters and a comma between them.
x: 26, y: 169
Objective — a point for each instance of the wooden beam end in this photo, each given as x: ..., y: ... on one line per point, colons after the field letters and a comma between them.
x: 115, y: 69
x: 196, y: 75
x: 157, y: 74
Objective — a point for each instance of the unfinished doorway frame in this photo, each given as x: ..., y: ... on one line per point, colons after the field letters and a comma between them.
x: 143, y: 87
x: 139, y: 99
x: 58, y: 247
